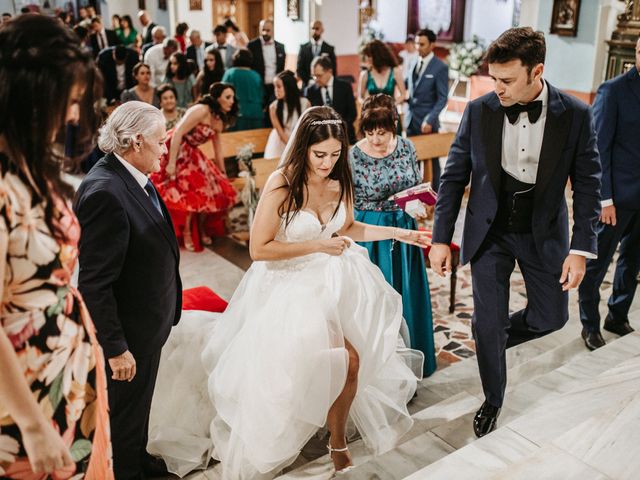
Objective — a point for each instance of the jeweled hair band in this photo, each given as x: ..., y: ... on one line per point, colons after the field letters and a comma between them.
x: 331, y: 121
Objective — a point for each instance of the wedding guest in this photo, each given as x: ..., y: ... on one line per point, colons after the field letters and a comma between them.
x: 157, y: 57
x: 408, y: 55
x: 129, y: 274
x: 187, y: 180
x: 147, y: 26
x: 332, y: 92
x: 101, y: 37
x: 519, y: 146
x: 179, y: 75
x: 285, y: 112
x: 142, y: 91
x: 382, y: 75
x: 315, y: 318
x: 181, y: 36
x: 268, y: 58
x: 116, y: 65
x: 312, y: 49
x: 212, y: 72
x: 226, y: 50
x: 196, y: 50
x: 168, y: 98
x: 6, y: 18
x: 615, y: 113
x: 235, y: 37
x: 384, y: 164
x: 248, y: 88
x: 428, y: 93
x: 115, y: 22
x: 158, y: 34
x: 126, y: 33
x: 53, y: 385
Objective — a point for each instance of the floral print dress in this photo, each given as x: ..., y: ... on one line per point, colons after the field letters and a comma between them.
x: 51, y: 331
x: 199, y: 185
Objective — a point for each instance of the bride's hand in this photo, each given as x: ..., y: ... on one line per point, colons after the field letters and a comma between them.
x: 418, y: 238
x: 334, y: 246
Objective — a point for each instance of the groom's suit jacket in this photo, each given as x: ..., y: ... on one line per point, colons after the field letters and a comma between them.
x: 568, y: 152
x: 129, y: 261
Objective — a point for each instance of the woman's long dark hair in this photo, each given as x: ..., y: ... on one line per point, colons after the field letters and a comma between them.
x: 316, y: 125
x: 40, y: 61
x: 209, y: 77
x: 183, y: 67
x: 381, y: 55
x: 211, y: 101
x: 291, y: 96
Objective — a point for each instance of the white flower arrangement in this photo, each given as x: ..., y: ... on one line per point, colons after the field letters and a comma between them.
x: 465, y: 58
x: 249, y: 195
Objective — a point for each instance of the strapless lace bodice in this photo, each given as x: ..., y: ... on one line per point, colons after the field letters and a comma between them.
x: 306, y: 226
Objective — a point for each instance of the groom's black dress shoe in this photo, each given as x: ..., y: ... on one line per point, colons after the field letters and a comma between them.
x: 154, y: 466
x: 592, y: 340
x: 485, y: 420
x: 619, y: 328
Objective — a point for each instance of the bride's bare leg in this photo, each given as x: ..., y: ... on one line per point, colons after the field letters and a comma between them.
x: 206, y: 239
x: 339, y: 411
x: 186, y: 233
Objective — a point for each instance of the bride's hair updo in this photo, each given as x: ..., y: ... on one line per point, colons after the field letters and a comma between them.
x: 316, y: 125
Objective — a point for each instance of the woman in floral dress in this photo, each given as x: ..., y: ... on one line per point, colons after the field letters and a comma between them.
x: 53, y: 405
x: 188, y: 181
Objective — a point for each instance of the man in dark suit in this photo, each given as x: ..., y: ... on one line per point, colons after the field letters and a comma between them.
x: 519, y: 145
x: 310, y: 50
x: 116, y: 65
x: 129, y: 274
x: 616, y: 112
x: 268, y: 58
x: 147, y: 26
x: 428, y: 84
x: 332, y: 92
x: 101, y: 37
x: 196, y: 50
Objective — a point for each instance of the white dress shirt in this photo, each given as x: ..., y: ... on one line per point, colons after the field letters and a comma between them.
x: 140, y: 178
x: 200, y: 55
x: 521, y: 145
x: 270, y: 60
x: 316, y: 47
x: 120, y: 75
x: 425, y: 61
x: 157, y: 63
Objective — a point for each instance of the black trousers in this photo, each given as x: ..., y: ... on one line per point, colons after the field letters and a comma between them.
x: 494, y: 329
x: 130, y: 405
x: 626, y: 233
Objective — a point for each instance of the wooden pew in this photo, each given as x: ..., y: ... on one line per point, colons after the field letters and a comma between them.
x: 432, y: 146
x: 263, y: 167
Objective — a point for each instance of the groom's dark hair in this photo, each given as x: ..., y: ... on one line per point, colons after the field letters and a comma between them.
x: 520, y: 43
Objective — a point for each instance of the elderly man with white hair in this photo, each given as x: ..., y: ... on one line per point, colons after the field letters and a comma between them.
x: 147, y: 26
x: 129, y: 274
x: 196, y: 50
x: 157, y: 57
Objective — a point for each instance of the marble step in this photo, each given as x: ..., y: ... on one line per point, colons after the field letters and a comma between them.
x: 462, y: 394
x: 585, y: 396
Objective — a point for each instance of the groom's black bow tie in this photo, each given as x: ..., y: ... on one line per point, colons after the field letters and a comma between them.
x: 534, y: 109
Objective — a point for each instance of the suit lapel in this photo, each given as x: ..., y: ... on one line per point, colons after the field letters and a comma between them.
x: 556, y: 131
x: 492, y: 125
x: 144, y: 201
x: 634, y: 82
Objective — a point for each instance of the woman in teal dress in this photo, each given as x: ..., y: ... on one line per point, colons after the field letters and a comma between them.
x: 127, y: 34
x: 382, y: 75
x: 248, y: 85
x: 384, y: 164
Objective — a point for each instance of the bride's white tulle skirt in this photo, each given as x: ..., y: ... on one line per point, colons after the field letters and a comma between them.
x: 251, y: 386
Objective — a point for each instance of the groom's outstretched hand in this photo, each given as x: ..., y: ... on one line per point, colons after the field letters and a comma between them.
x: 573, y: 271
x: 123, y: 367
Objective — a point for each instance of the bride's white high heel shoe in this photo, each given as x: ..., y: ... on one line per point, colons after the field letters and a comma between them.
x: 345, y: 449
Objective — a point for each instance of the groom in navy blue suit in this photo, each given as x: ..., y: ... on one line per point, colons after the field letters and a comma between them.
x: 519, y: 145
x: 616, y: 112
x: 428, y: 85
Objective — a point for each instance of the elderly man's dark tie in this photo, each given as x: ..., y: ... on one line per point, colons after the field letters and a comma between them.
x: 153, y: 196
x: 533, y: 109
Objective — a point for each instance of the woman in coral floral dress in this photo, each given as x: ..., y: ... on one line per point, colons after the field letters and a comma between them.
x: 189, y: 181
x: 53, y: 406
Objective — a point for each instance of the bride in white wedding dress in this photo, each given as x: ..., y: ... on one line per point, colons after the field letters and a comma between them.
x: 309, y: 339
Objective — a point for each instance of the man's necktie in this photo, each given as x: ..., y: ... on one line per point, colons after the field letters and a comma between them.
x: 327, y: 98
x: 417, y: 70
x: 153, y: 196
x: 533, y: 109
x: 222, y: 47
x: 316, y: 49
